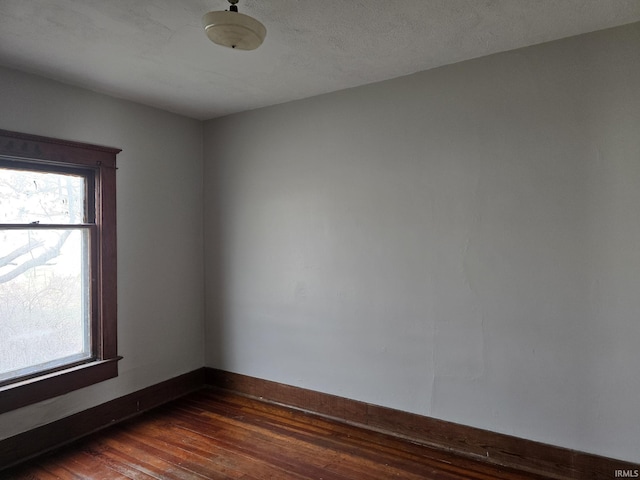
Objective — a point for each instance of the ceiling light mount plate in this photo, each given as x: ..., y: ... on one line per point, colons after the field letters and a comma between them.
x: 232, y: 29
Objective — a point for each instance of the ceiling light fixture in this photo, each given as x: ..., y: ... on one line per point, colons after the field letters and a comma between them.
x: 234, y: 30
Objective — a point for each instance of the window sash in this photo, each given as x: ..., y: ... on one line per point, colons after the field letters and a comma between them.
x: 91, y: 333
x: 88, y: 174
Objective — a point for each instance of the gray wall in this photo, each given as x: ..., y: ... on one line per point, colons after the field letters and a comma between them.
x: 462, y: 243
x: 160, y: 274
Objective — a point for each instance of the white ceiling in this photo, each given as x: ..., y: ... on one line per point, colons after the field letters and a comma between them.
x: 155, y: 51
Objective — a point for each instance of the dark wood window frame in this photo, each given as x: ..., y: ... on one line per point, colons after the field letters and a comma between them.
x: 101, y: 161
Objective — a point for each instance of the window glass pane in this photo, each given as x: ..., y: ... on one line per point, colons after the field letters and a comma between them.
x: 27, y: 197
x: 44, y: 299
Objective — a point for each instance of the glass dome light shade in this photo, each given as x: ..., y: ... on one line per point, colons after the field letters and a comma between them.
x: 234, y: 30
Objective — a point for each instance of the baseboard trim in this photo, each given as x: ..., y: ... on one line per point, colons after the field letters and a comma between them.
x: 496, y: 448
x: 24, y: 446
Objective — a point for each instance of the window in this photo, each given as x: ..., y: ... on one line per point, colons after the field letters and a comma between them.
x: 57, y: 267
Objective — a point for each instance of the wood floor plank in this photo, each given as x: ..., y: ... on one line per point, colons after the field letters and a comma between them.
x: 208, y: 451
x: 59, y: 470
x: 125, y: 467
x: 310, y: 443
x: 272, y: 445
x: 83, y: 466
x: 31, y: 473
x: 203, y: 463
x: 322, y: 454
x: 148, y: 459
x: 325, y: 432
x: 365, y: 438
x: 289, y: 458
x: 222, y: 436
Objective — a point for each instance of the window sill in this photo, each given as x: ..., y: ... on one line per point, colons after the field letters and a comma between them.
x: 33, y: 390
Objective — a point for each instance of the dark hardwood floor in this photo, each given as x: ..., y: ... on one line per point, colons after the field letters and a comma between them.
x: 213, y: 434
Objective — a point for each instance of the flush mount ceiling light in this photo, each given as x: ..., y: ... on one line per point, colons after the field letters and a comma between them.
x: 234, y: 30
